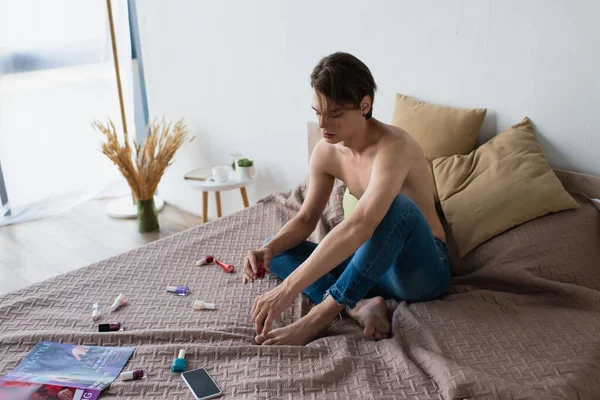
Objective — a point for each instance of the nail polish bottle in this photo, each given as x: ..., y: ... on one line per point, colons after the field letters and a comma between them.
x: 95, y: 311
x: 110, y: 327
x: 179, y: 290
x: 205, y: 260
x: 179, y: 363
x: 198, y: 305
x: 261, y: 271
x: 133, y: 375
x: 119, y: 301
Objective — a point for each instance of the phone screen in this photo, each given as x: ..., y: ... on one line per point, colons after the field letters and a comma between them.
x: 201, y: 384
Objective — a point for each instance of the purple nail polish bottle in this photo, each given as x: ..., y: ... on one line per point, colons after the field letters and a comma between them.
x: 179, y: 290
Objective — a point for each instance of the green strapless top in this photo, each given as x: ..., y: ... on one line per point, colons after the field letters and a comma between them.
x: 349, y: 203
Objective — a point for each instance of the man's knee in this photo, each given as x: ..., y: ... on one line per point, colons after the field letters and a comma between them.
x: 402, y: 206
x: 402, y: 209
x: 404, y: 203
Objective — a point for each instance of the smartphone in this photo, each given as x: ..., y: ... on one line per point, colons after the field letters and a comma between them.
x: 201, y: 384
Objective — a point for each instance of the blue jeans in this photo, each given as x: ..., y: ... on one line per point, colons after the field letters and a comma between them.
x: 401, y: 260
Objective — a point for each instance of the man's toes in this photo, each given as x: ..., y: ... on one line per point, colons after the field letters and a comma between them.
x: 272, y: 337
x: 369, y: 331
x: 268, y: 337
x: 377, y: 336
x: 382, y: 328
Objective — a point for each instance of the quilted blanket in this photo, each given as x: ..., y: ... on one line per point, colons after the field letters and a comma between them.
x: 521, y: 319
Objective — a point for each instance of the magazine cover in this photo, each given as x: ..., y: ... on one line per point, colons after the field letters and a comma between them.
x: 16, y: 390
x: 66, y: 366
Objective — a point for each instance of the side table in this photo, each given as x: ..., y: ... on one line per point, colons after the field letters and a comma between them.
x: 200, y: 179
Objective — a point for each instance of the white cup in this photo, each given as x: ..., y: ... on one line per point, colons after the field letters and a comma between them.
x: 220, y: 174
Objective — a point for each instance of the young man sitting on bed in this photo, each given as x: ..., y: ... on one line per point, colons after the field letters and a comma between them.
x: 392, y: 245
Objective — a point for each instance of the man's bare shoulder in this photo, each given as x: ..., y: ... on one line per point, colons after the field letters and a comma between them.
x: 396, y: 139
x: 324, y: 156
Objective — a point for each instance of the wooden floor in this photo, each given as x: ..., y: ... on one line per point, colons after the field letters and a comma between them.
x: 38, y: 250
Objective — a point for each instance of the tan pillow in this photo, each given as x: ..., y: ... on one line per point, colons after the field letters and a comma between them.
x: 503, y: 183
x: 441, y: 131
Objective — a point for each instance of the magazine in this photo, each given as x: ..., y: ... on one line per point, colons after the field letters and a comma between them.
x: 64, y: 372
x: 16, y: 390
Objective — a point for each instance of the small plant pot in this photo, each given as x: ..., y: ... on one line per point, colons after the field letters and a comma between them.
x: 147, y: 216
x: 245, y: 173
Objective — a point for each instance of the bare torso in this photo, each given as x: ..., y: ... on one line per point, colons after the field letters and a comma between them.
x: 355, y: 170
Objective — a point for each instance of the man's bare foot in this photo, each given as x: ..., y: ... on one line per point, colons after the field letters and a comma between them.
x: 372, y: 315
x: 306, y: 328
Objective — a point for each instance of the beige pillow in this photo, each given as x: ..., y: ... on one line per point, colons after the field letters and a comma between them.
x: 503, y: 183
x: 440, y: 130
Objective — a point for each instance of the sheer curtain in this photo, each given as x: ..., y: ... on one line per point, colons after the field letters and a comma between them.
x: 56, y: 76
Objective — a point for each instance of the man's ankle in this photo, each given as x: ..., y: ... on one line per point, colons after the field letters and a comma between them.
x: 327, y: 310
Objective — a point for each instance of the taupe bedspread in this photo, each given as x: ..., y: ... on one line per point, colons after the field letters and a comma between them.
x: 521, y: 320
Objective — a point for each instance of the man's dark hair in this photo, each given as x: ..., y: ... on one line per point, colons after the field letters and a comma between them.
x: 344, y: 79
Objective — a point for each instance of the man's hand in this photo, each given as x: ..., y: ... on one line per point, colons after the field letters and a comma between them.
x: 269, y: 306
x: 257, y: 260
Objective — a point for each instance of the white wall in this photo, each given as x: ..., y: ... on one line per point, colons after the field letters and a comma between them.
x: 239, y: 72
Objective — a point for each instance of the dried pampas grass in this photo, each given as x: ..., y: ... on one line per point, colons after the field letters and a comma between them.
x: 144, y: 170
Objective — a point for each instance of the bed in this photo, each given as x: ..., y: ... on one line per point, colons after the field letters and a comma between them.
x: 520, y: 321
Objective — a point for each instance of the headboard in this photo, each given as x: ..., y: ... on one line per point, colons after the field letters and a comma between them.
x: 575, y: 182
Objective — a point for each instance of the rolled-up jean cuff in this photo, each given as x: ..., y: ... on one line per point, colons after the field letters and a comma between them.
x: 340, y: 298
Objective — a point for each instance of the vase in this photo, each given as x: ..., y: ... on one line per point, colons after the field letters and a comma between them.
x: 147, y: 215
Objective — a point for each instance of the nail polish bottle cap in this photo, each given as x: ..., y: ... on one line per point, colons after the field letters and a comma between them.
x: 126, y: 376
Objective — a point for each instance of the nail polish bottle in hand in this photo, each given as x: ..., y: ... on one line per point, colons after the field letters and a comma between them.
x: 261, y: 271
